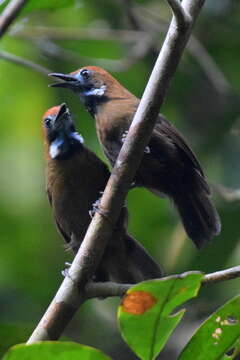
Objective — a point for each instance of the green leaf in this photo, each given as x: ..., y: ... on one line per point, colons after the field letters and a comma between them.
x: 51, y: 350
x: 145, y: 316
x: 216, y: 335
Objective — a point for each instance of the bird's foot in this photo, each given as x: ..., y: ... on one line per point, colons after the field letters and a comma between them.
x: 124, y: 135
x: 147, y: 150
x: 133, y: 185
x: 65, y: 272
x: 96, y: 208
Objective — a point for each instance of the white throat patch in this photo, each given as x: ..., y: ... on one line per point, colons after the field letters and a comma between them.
x: 75, y: 135
x: 58, y: 146
x: 96, y: 92
x: 55, y: 148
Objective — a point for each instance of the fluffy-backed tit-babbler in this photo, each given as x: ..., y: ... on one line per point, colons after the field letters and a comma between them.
x: 75, y: 178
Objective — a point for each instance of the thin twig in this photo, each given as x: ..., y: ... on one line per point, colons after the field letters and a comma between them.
x: 222, y: 275
x: 109, y: 289
x: 228, y: 194
x: 65, y: 33
x: 9, y: 14
x: 89, y: 255
x: 105, y: 289
x: 23, y: 62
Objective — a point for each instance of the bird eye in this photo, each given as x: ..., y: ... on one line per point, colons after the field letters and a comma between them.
x: 85, y: 73
x: 47, y: 122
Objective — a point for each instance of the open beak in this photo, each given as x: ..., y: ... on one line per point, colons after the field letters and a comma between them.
x: 61, y: 116
x: 68, y: 80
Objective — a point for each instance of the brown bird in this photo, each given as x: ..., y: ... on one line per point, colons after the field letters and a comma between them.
x: 75, y: 176
x: 168, y: 167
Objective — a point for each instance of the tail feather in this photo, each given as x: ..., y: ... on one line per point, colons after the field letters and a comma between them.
x: 142, y: 260
x: 127, y: 262
x: 199, y: 216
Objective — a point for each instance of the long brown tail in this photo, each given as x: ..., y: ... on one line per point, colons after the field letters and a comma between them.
x: 126, y: 261
x: 199, y: 216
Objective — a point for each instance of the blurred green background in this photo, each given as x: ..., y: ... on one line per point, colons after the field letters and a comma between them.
x: 203, y: 102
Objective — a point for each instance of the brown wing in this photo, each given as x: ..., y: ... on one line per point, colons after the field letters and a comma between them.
x: 163, y: 126
x: 164, y: 129
x: 66, y: 237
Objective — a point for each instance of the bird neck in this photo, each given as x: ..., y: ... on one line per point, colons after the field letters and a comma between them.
x: 93, y: 102
x: 96, y: 99
x: 65, y: 145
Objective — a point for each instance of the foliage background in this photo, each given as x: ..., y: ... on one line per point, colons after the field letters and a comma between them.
x: 32, y: 254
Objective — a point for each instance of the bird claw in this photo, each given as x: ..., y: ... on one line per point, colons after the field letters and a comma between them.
x: 95, y: 208
x: 65, y: 273
x: 124, y: 135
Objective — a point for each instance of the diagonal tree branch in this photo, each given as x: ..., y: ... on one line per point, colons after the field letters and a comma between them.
x: 9, y: 14
x: 69, y: 296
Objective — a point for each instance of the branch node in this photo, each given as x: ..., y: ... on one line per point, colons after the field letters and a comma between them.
x: 183, y: 19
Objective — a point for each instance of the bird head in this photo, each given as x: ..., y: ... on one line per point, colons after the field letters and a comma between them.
x: 93, y: 84
x: 60, y: 132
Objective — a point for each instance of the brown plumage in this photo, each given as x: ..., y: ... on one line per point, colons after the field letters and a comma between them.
x: 168, y: 166
x: 75, y: 177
